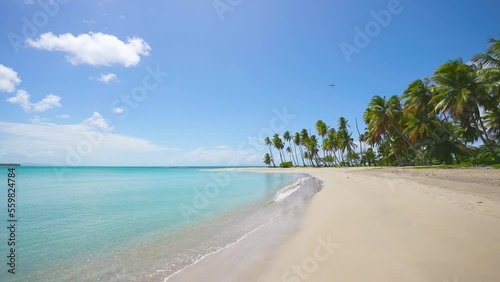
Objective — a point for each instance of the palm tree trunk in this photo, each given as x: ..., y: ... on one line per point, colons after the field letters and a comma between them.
x: 272, y: 157
x: 417, y: 152
x: 302, y: 155
x: 296, y: 157
x: 486, y: 140
x: 463, y: 145
x: 295, y: 160
x: 336, y: 158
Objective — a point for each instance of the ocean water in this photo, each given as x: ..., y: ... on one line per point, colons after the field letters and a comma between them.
x: 135, y: 223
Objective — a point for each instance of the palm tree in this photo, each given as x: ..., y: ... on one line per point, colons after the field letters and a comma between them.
x: 288, y: 138
x: 304, y: 139
x: 278, y: 144
x: 346, y: 142
x: 327, y: 146
x: 420, y: 106
x: 297, y: 143
x: 370, y: 157
x: 343, y: 124
x: 490, y: 59
x: 312, y: 148
x: 334, y: 143
x: 489, y: 74
x: 322, y: 129
x: 492, y: 121
x: 462, y: 95
x: 267, y: 159
x: 268, y: 142
x: 383, y: 118
x: 379, y: 117
x: 289, y: 151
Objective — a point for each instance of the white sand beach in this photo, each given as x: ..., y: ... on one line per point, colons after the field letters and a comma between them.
x: 378, y: 224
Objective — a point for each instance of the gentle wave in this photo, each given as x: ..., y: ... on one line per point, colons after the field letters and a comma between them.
x: 286, y: 191
x: 280, y: 195
x: 219, y: 250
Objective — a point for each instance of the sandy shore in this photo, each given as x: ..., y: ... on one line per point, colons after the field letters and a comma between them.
x: 373, y: 224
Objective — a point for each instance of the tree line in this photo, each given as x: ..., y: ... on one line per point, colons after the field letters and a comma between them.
x: 450, y: 117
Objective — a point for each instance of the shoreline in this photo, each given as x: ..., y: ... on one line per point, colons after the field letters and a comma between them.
x: 282, y: 216
x: 386, y: 224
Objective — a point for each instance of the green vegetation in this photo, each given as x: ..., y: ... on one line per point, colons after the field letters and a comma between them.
x: 435, y: 121
x: 286, y: 164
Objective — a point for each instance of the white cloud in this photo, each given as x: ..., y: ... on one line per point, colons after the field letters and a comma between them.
x: 8, y: 79
x: 118, y: 110
x: 64, y: 116
x: 47, y: 143
x: 98, y: 49
x: 88, y: 21
x: 50, y: 101
x: 23, y: 99
x: 224, y: 156
x: 108, y: 77
x: 38, y: 120
x: 29, y: 2
x: 97, y: 121
x: 222, y: 147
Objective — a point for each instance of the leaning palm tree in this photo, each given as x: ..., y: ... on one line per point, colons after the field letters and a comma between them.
x: 268, y: 142
x: 379, y: 118
x: 462, y: 96
x: 383, y: 118
x: 278, y: 144
x: 312, y: 148
x: 297, y: 143
x: 420, y: 106
x: 490, y: 59
x: 492, y: 121
x: 304, y: 139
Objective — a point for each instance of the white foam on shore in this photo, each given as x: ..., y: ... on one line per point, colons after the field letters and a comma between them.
x: 221, y: 249
x: 286, y: 191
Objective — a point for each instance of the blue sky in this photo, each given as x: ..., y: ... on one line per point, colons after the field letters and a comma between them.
x: 206, y: 80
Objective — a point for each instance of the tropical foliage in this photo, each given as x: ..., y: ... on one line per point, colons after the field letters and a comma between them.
x: 450, y: 117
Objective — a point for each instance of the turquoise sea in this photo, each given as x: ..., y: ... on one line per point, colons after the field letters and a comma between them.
x: 135, y: 223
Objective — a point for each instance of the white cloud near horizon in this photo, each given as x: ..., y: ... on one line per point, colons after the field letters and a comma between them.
x: 108, y: 77
x: 221, y: 156
x: 96, y: 49
x: 9, y: 79
x: 22, y: 98
x: 48, y: 143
